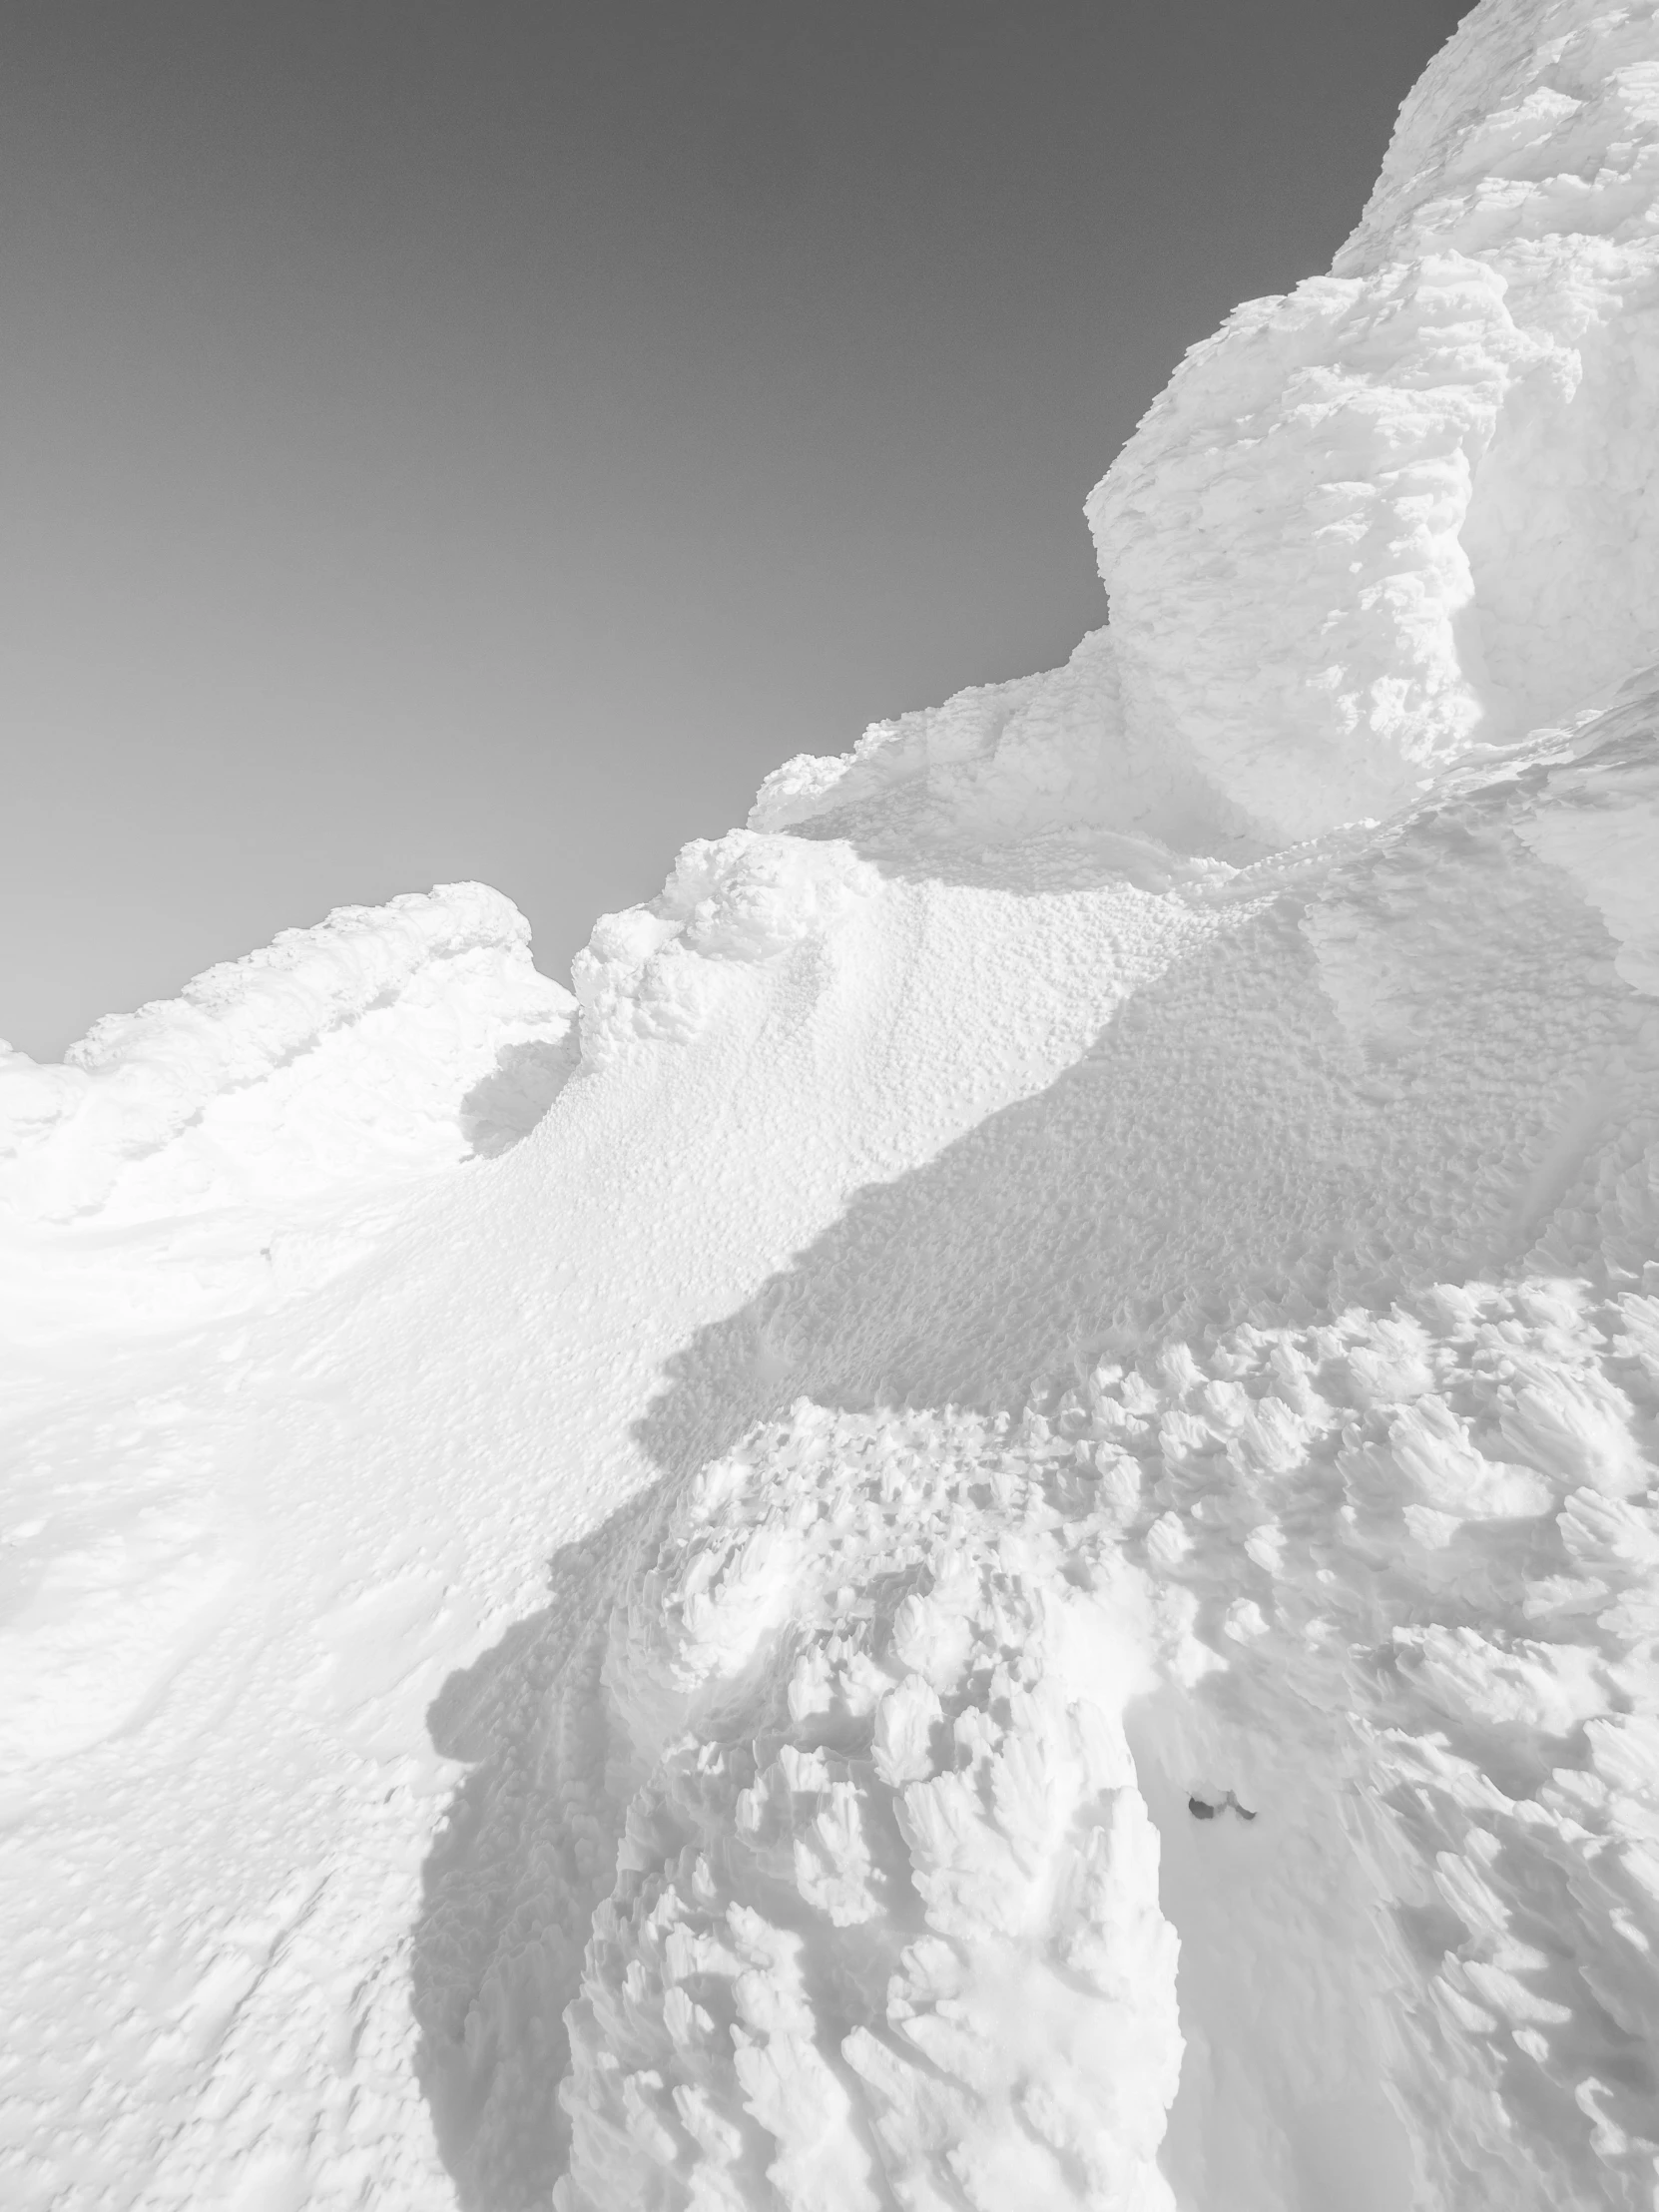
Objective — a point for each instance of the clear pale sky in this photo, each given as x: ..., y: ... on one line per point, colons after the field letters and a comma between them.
x: 482, y: 439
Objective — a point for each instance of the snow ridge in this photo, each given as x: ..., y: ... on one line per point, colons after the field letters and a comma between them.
x: 327, y: 1055
x: 1084, y: 1341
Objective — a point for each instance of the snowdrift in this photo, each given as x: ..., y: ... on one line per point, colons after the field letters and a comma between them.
x: 1004, y: 1553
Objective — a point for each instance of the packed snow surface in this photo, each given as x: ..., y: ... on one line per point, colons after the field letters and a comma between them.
x: 981, y: 1534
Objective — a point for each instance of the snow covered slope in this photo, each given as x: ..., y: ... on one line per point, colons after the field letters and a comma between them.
x: 1010, y: 1559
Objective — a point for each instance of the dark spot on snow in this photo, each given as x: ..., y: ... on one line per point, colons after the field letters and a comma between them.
x: 1201, y: 1809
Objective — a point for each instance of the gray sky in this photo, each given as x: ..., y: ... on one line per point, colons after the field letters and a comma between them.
x: 481, y: 440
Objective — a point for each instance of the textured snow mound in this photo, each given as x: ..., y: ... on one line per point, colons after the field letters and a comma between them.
x: 1326, y: 1637
x: 888, y: 1904
x: 384, y: 1039
x: 668, y: 970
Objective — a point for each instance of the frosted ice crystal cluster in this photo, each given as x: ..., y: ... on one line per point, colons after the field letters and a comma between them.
x: 982, y: 1535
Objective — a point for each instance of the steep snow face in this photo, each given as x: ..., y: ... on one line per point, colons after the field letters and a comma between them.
x: 1410, y: 509
x: 385, y: 1039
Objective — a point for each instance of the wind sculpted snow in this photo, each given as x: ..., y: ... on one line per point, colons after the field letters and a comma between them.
x: 1001, y: 1554
x: 332, y: 1055
x: 1335, y: 1569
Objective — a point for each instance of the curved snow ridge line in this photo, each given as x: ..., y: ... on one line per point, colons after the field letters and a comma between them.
x: 447, y: 972
x: 1261, y: 1740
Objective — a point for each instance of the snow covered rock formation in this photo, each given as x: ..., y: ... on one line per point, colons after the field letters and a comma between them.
x: 1011, y: 1560
x: 332, y: 1056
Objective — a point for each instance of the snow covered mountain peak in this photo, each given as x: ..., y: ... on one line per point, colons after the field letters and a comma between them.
x: 1012, y: 1563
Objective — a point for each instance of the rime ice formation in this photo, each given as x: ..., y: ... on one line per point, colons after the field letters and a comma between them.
x: 1414, y: 507
x: 1010, y: 1559
x: 335, y: 1054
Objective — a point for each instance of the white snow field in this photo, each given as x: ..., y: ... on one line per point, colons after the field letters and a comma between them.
x: 981, y: 1536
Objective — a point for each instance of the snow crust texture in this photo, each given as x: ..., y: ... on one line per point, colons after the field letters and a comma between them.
x: 982, y: 1533
x: 908, y: 1700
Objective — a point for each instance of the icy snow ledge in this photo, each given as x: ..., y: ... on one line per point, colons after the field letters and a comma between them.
x: 387, y: 1039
